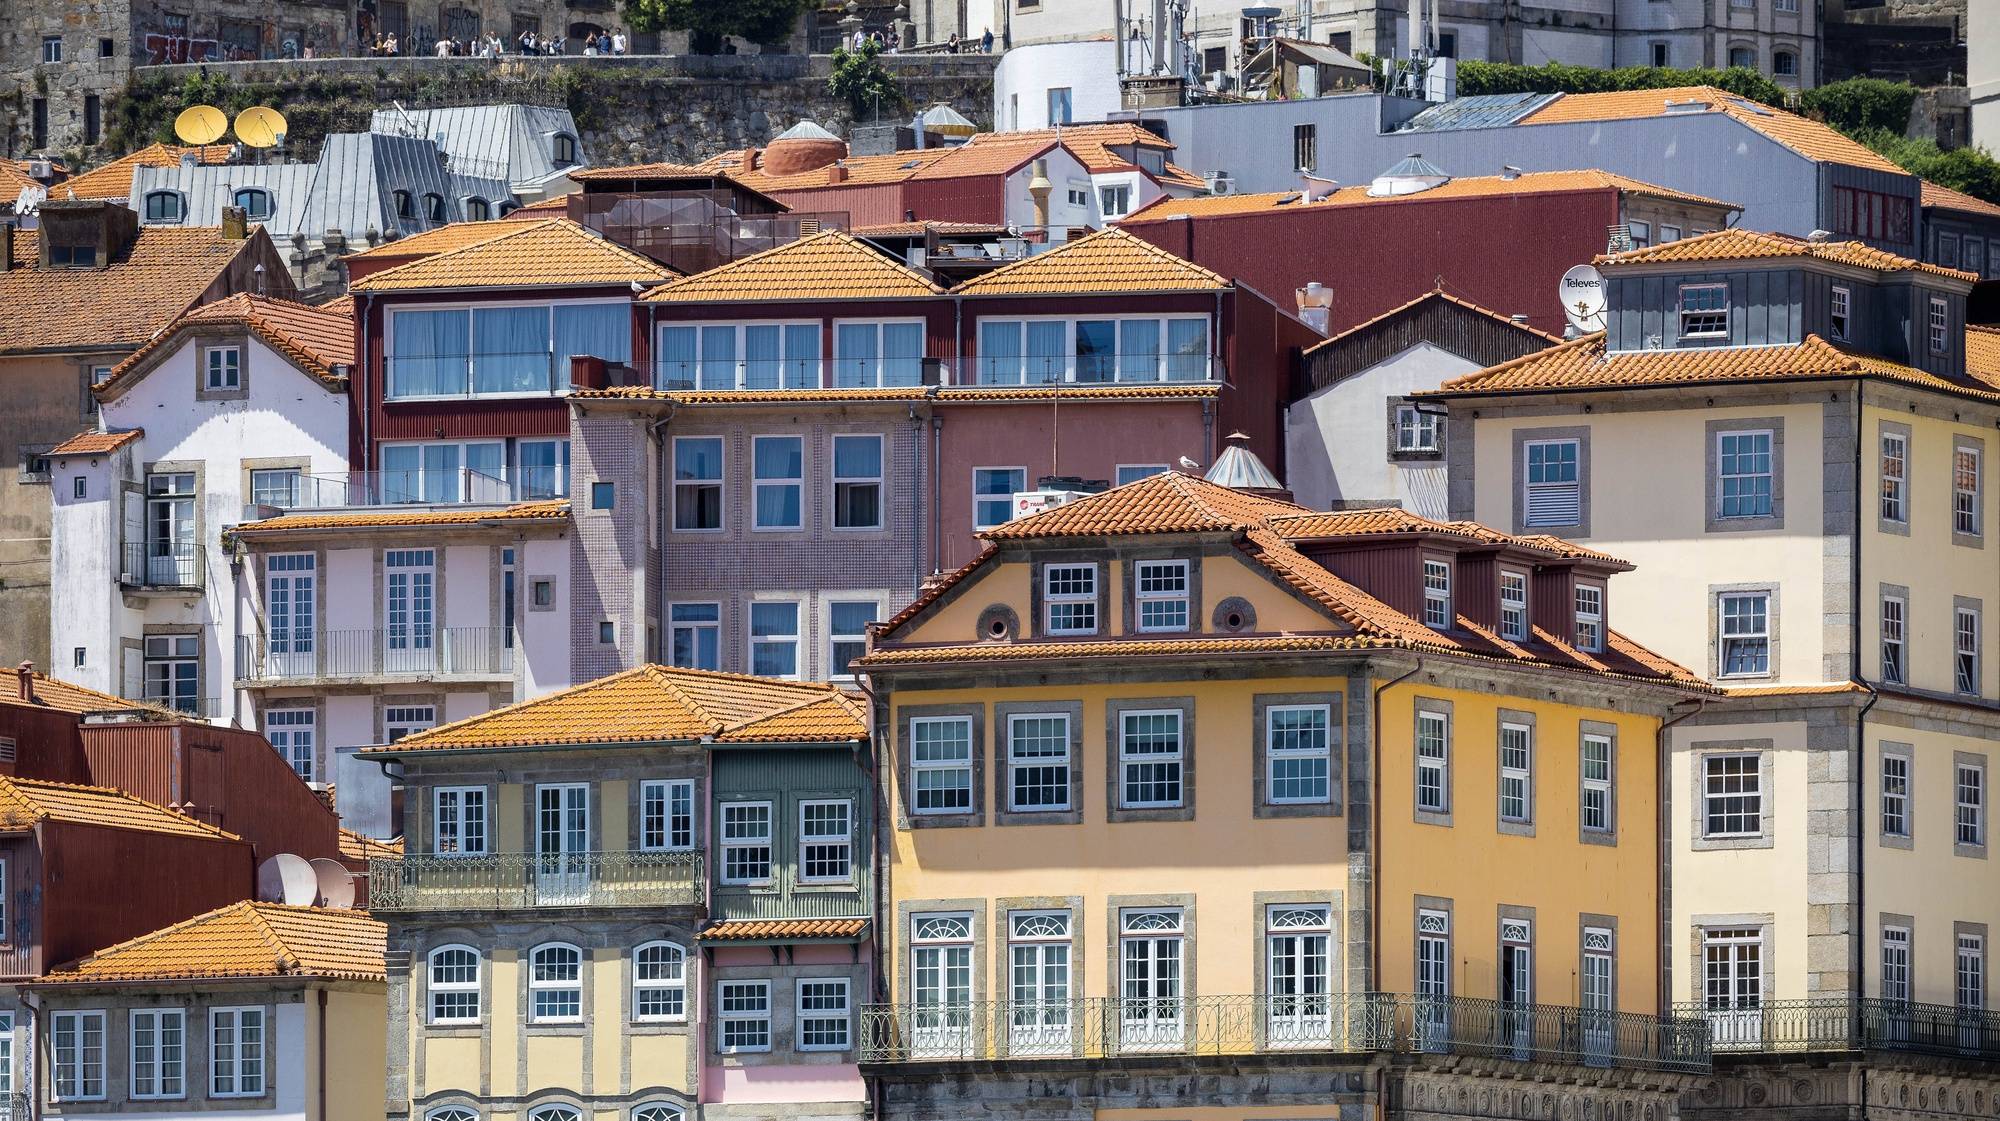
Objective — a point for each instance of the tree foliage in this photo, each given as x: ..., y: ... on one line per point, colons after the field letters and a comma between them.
x: 709, y: 21
x: 1859, y: 105
x: 860, y: 78
x: 1962, y: 169
x: 1475, y: 77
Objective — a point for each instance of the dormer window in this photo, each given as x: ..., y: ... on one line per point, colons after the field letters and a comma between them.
x: 477, y: 209
x: 1514, y: 605
x: 1589, y: 617
x: 563, y: 149
x: 1704, y: 311
x: 1839, y: 304
x: 1069, y: 596
x: 1940, y: 321
x: 1437, y: 594
x: 434, y: 209
x: 256, y: 202
x: 67, y: 256
x: 406, y: 205
x: 164, y: 206
x: 1416, y: 429
x: 1160, y: 592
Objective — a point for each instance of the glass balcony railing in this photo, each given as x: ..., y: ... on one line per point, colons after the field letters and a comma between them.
x: 526, y: 880
x: 978, y: 370
x: 413, y: 487
x: 410, y: 651
x: 430, y: 377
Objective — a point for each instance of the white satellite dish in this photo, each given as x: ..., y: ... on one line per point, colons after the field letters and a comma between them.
x: 336, y: 883
x: 289, y: 879
x: 1581, y: 292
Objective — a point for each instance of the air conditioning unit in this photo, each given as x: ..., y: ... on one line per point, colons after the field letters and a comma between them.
x: 1028, y: 502
x: 42, y: 170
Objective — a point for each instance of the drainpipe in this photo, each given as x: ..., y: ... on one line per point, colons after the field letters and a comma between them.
x: 33, y: 1000
x: 1208, y: 430
x: 1375, y: 830
x: 236, y: 632
x: 937, y: 494
x: 1859, y: 937
x: 322, y: 1054
x: 367, y: 380
x: 1662, y: 830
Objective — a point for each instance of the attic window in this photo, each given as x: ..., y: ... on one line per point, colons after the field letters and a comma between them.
x: 406, y: 205
x: 434, y: 208
x: 7, y: 748
x: 256, y: 203
x: 477, y: 209
x: 163, y: 206
x: 63, y: 256
x: 563, y: 147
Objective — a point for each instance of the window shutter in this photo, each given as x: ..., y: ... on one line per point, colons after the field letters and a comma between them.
x: 1554, y: 504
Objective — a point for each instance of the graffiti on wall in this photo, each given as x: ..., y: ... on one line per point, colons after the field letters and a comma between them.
x: 163, y: 48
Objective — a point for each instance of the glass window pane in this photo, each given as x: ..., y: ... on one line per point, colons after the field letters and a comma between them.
x: 1096, y: 349
x: 678, y: 349
x: 763, y: 357
x: 1187, y: 339
x: 999, y: 352
x: 802, y: 356
x: 1139, y: 350
x: 902, y: 354
x: 427, y: 353
x: 854, y: 354
x: 1048, y: 350
x: 718, y: 358
x: 599, y: 330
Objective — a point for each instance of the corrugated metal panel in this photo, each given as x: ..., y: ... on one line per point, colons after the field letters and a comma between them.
x: 102, y: 886
x: 207, y: 188
x: 508, y: 142
x: 1392, y: 573
x: 20, y: 952
x: 1552, y: 600
x: 139, y: 759
x: 231, y: 778
x: 46, y: 745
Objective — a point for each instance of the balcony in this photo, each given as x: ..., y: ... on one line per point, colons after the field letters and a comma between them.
x: 1856, y: 1024
x: 915, y: 373
x: 173, y: 566
x: 471, y: 376
x: 1365, y: 1023
x: 441, y: 487
x: 522, y: 881
x: 415, y: 652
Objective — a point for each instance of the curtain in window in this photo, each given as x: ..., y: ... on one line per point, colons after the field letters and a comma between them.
x: 902, y: 354
x: 486, y: 473
x: 679, y: 346
x: 598, y: 330
x: 718, y: 358
x: 427, y: 353
x: 1048, y: 351
x: 510, y: 350
x: 854, y: 355
x: 441, y: 473
x: 1187, y: 343
x: 400, y: 466
x: 802, y: 356
x: 1139, y: 350
x: 999, y: 353
x: 763, y: 356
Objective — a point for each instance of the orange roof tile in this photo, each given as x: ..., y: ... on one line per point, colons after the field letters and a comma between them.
x: 442, y: 239
x: 122, y: 304
x: 1135, y: 648
x: 1743, y: 245
x: 1471, y: 186
x: 552, y: 510
x: 1944, y: 198
x: 535, y: 211
x: 313, y: 339
x: 1110, y: 260
x: 1169, y: 502
x: 357, y: 846
x: 657, y: 703
x: 782, y: 930
x: 239, y: 941
x: 1808, y: 138
x: 549, y: 254
x: 1982, y: 353
x: 1385, y: 520
x: 114, y: 180
x: 342, y: 306
x: 1821, y: 689
x: 1093, y: 144
x: 96, y: 443
x: 986, y: 153
x: 827, y: 266
x: 14, y: 178
x: 26, y: 802
x: 745, y: 166
x: 63, y: 696
x: 1434, y: 294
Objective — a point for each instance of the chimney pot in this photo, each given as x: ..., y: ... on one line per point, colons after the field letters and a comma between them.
x: 235, y: 223
x: 1517, y: 317
x: 27, y: 680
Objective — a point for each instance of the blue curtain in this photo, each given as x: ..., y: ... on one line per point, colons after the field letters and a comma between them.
x: 802, y: 356
x: 763, y: 356
x: 718, y: 357
x: 510, y: 350
x: 902, y: 354
x: 1048, y: 350
x: 427, y: 353
x: 598, y: 330
x: 1139, y: 350
x: 999, y: 352
x: 678, y: 348
x: 1187, y: 340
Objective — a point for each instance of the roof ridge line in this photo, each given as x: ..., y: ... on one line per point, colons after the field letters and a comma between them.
x: 803, y: 702
x: 287, y: 960
x: 658, y: 675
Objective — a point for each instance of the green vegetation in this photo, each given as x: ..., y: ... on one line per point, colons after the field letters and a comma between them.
x: 1962, y: 169
x: 708, y: 22
x: 1476, y: 77
x: 1859, y: 105
x: 861, y: 79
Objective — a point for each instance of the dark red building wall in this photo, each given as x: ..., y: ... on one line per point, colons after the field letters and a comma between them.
x: 232, y: 778
x: 971, y: 199
x: 101, y: 886
x: 1503, y: 252
x: 46, y: 745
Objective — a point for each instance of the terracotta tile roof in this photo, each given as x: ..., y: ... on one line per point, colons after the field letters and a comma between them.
x: 1827, y: 688
x: 1169, y: 502
x: 24, y: 802
x: 551, y: 510
x: 114, y: 180
x: 782, y: 930
x: 1385, y: 520
x: 1471, y: 186
x: 1808, y: 138
x: 1110, y: 260
x: 14, y: 178
x: 1137, y: 648
x: 96, y: 443
x: 1944, y: 198
x: 984, y: 154
x: 919, y: 229
x: 997, y: 395
x: 357, y: 846
x: 443, y: 239
x: 535, y: 211
x: 342, y: 306
x: 243, y: 940
x: 655, y: 170
x: 745, y: 166
x: 548, y: 254
x: 1434, y: 294
x: 827, y: 266
x: 655, y: 703
x: 163, y: 272
x: 63, y: 696
x: 1982, y: 353
x: 1742, y: 245
x: 1583, y: 364
x: 24, y: 249
x: 313, y: 339
x: 1092, y: 145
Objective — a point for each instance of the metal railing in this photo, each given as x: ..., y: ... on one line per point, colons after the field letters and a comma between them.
x: 160, y: 564
x: 1851, y: 1024
x: 1109, y: 1027
x: 444, y: 487
x: 409, y: 651
x: 520, y: 880
x: 970, y: 371
x: 201, y: 708
x: 15, y: 1107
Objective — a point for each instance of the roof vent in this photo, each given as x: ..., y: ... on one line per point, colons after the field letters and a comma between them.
x: 1318, y: 188
x: 1239, y: 468
x: 1509, y: 171
x: 1517, y: 317
x: 1412, y: 175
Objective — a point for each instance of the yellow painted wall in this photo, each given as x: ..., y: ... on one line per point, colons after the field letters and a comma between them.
x: 453, y: 1062
x: 553, y: 1060
x: 608, y: 802
x: 1331, y: 1108
x: 606, y: 971
x: 356, y: 1053
x: 660, y: 1060
x: 504, y: 1017
x: 510, y: 824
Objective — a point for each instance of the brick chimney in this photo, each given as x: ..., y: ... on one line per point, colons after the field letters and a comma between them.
x: 26, y: 672
x: 235, y: 224
x: 6, y: 246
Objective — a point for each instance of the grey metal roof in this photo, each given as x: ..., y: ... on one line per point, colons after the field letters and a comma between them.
x: 511, y: 142
x: 1488, y: 110
x: 359, y: 174
x: 804, y: 130
x: 1415, y: 166
x: 206, y: 188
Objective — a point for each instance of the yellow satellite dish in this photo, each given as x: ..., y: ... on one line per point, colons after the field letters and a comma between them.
x: 200, y: 124
x: 260, y: 127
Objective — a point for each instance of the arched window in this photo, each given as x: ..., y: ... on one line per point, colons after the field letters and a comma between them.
x: 164, y: 206
x: 477, y: 209
x: 434, y: 208
x: 657, y: 1111
x: 564, y: 146
x: 507, y: 208
x: 406, y: 206
x: 555, y: 1113
x: 555, y: 984
x: 451, y: 1113
x: 1785, y: 64
x: 454, y: 985
x: 659, y: 982
x: 1745, y: 57
x: 256, y: 203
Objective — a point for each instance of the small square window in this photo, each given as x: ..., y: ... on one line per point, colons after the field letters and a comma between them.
x: 603, y: 495
x: 607, y: 633
x: 79, y: 487
x: 1704, y: 309
x: 52, y: 48
x: 542, y: 593
x: 106, y: 48
x: 77, y: 657
x: 224, y: 365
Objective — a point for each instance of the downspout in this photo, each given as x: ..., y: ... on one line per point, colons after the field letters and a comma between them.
x: 322, y: 1054
x: 878, y: 897
x: 367, y: 380
x: 236, y: 630
x: 33, y: 999
x: 1662, y: 831
x: 1859, y: 936
x: 937, y: 495
x: 1375, y: 832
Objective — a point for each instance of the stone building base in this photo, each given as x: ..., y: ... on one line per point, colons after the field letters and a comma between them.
x: 1847, y: 1086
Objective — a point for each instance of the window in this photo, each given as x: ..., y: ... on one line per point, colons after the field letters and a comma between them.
x: 51, y: 48
x: 1133, y: 472
x: 1965, y: 491
x: 1516, y: 773
x: 1305, y: 147
x: 555, y: 1113
x: 1417, y: 430
x: 1733, y: 978
x: 434, y: 209
x: 1094, y: 351
x: 1704, y: 309
x: 778, y: 471
x: 745, y: 1016
x: 1896, y: 964
x: 857, y: 482
x: 563, y: 148
x: 1151, y: 949
x: 1895, y: 795
x: 774, y: 638
x: 1038, y: 762
x: 659, y: 982
x: 878, y: 354
x: 1437, y: 595
x: 1433, y: 762
x: 291, y: 732
x: 542, y: 468
x: 847, y: 633
x: 696, y: 635
x: 1894, y: 668
x: 76, y: 1048
x: 603, y: 495
x: 1785, y: 64
x: 823, y: 1014
x: 1895, y: 476
x: 1589, y: 617
x: 941, y: 765
x: 555, y: 984
x: 106, y: 48
x: 477, y: 209
x: 1597, y: 989
x: 1746, y: 634
x: 459, y: 820
x: 1969, y: 973
x: 1553, y: 494
x: 1038, y: 980
x: 1872, y: 214
x: 1965, y: 650
x: 1059, y: 106
x: 406, y: 204
x: 1298, y: 754
x: 1969, y: 815
x: 760, y: 355
x: 993, y: 490
x: 1940, y: 325
x: 163, y: 206
x: 275, y: 486
x: 235, y: 1052
x: 1079, y: 195
x: 256, y: 203
x: 80, y: 488
x: 173, y: 671
x: 1298, y: 950
x: 746, y: 842
x: 1597, y: 754
x: 1149, y: 760
x: 444, y: 471
x: 1840, y: 303
x: 666, y: 814
x: 500, y: 349
x: 1433, y: 974
x: 1115, y: 201
x: 1069, y: 598
x: 408, y: 721
x: 826, y: 841
x: 35, y: 467
x: 1659, y: 54
x: 1743, y: 474
x: 38, y: 129
x: 1743, y: 57
x: 1732, y: 796
x: 1160, y: 590
x: 224, y: 366
x: 159, y: 1052
x: 1514, y: 605
x: 1640, y: 233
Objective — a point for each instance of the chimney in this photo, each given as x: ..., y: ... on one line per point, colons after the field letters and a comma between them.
x: 235, y: 224
x: 1039, y: 188
x: 6, y: 246
x: 1316, y: 306
x: 26, y: 671
x: 836, y: 172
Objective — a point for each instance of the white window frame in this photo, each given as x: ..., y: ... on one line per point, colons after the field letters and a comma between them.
x: 434, y: 987
x: 720, y: 484
x: 222, y: 369
x: 725, y: 844
x: 666, y: 792
x: 1725, y: 638
x: 1701, y: 317
x: 1274, y: 753
x: 1895, y: 790
x: 1966, y: 664
x: 1439, y: 763
x: 538, y: 985
x: 843, y: 843
x: 558, y: 378
x: 1840, y: 305
x: 1968, y: 804
x: 1417, y: 430
x: 1128, y: 761
x: 881, y: 360
x: 1141, y: 597
x: 1019, y: 476
x: 1894, y: 628
x: 1895, y: 476
x: 1967, y: 505
x: 663, y: 988
x: 1724, y: 458
x: 795, y: 640
x: 1752, y: 795
x: 1589, y: 617
x: 740, y: 375
x: 70, y: 1072
x: 399, y: 721
x: 918, y: 766
x: 1601, y: 787
x: 1530, y: 489
x: 1438, y: 613
x: 836, y: 669
x: 1162, y: 366
x: 1969, y: 973
x: 250, y: 1075
x: 879, y: 480
x: 695, y: 628
x: 1017, y: 762
x: 293, y: 732
x: 725, y: 1017
x: 1898, y: 978
x: 168, y: 1080
x: 1939, y: 320
x: 462, y: 796
x: 844, y: 1016
x: 1522, y: 772
x: 1051, y: 599
x: 1514, y: 627
x: 759, y: 484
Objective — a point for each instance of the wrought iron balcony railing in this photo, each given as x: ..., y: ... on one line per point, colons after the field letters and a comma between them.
x: 522, y: 880
x: 410, y: 651
x: 1851, y: 1024
x: 1111, y: 1027
x: 161, y: 564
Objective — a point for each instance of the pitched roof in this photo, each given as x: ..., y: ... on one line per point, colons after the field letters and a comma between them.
x: 1093, y: 143
x: 164, y: 271
x: 114, y: 180
x: 1465, y: 187
x: 311, y: 338
x: 553, y: 253
x: 1169, y: 502
x: 655, y: 703
x: 1740, y: 245
x: 547, y: 208
x: 246, y: 939
x: 783, y: 930
x: 983, y: 154
x: 1808, y: 138
x: 93, y: 442
x: 1982, y: 353
x: 360, y: 846
x: 1584, y: 363
x: 919, y: 229
x: 1438, y: 294
x: 441, y: 239
x: 1944, y: 198
x: 827, y: 266
x: 63, y: 696
x: 551, y: 510
x: 1110, y: 260
x: 25, y: 802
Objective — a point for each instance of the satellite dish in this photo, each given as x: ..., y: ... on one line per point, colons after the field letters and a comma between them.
x: 1581, y: 292
x: 200, y: 124
x: 260, y: 127
x: 287, y: 879
x: 336, y: 883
